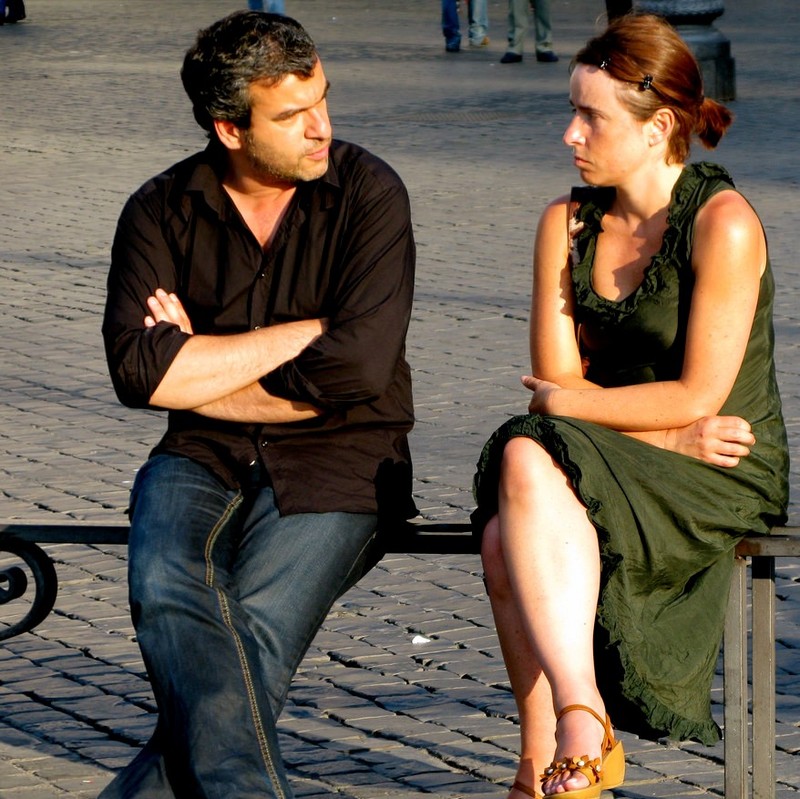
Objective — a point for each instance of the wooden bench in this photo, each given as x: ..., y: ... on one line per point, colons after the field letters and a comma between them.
x: 749, y: 758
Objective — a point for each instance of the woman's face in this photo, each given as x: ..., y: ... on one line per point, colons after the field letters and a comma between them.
x: 609, y: 144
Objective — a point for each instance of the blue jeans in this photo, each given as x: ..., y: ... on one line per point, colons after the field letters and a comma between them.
x: 478, y: 14
x: 226, y: 596
x: 273, y: 6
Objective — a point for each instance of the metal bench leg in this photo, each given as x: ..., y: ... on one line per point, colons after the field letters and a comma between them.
x: 735, y: 685
x: 763, y: 677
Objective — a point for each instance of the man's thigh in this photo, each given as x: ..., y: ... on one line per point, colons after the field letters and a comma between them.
x: 288, y: 572
x: 176, y: 507
x: 191, y: 537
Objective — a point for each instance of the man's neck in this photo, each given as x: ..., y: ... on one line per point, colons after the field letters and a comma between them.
x: 262, y: 211
x: 262, y: 204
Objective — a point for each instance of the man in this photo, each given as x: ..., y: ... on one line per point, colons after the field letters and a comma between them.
x: 12, y: 11
x: 260, y: 291
x: 478, y: 19
x: 518, y: 23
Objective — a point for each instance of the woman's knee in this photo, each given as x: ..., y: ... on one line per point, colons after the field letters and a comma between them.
x: 530, y: 474
x: 524, y: 463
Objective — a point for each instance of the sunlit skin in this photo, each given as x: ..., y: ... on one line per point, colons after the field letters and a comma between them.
x: 286, y: 143
x: 610, y: 147
x: 550, y: 665
x: 289, y: 135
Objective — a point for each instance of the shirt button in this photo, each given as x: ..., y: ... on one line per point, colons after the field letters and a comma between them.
x: 256, y: 327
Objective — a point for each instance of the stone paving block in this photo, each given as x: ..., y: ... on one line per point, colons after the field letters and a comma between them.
x: 39, y: 791
x: 787, y: 738
x: 480, y: 166
x: 661, y: 789
x: 18, y: 783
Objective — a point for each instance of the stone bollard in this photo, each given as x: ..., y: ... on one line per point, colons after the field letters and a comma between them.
x: 693, y: 19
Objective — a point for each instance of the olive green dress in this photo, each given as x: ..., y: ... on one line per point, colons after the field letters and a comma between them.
x: 667, y: 523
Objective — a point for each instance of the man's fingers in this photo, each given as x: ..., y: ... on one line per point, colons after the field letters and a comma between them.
x: 165, y: 307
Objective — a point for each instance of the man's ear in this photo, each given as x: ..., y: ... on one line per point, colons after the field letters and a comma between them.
x: 229, y: 135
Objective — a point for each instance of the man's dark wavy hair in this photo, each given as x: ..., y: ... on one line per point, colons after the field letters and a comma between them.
x: 231, y: 54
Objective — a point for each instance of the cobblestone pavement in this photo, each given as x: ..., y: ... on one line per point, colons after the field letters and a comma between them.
x: 403, y: 692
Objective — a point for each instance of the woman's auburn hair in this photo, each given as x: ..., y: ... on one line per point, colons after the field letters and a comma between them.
x: 656, y: 69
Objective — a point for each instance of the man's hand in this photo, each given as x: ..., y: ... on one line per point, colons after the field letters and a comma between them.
x: 166, y: 307
x: 218, y: 376
x: 719, y: 440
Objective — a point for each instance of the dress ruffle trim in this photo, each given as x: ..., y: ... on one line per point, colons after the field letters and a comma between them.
x: 695, y: 180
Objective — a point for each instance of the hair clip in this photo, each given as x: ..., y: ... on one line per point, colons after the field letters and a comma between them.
x: 647, y: 83
x: 605, y: 63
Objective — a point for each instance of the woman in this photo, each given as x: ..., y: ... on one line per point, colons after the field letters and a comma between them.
x: 654, y: 440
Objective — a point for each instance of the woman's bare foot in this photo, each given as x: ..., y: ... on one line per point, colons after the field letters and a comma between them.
x: 578, y: 734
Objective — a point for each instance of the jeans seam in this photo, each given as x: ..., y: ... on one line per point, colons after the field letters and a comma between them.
x: 258, y: 723
x: 212, y: 538
x: 248, y: 679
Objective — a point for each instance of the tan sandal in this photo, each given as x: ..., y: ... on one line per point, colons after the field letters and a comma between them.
x: 521, y: 786
x: 603, y: 773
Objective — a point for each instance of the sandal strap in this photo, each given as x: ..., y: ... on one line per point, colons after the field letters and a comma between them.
x: 585, y: 708
x: 520, y: 786
x: 608, y: 734
x: 589, y: 768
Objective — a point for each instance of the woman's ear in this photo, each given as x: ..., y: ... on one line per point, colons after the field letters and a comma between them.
x: 662, y: 123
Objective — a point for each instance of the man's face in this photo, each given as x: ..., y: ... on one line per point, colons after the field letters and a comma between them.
x: 289, y: 131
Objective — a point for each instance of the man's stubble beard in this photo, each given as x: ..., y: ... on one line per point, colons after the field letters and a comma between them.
x: 268, y: 170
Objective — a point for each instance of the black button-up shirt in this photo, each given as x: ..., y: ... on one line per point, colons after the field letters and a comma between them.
x: 345, y: 251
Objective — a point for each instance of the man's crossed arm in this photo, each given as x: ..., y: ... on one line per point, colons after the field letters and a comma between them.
x: 217, y: 376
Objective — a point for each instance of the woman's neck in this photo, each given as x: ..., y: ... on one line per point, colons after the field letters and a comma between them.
x: 647, y: 195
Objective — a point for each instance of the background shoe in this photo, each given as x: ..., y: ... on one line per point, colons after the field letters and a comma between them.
x: 511, y: 58
x: 15, y: 10
x: 452, y: 48
x: 480, y: 43
x: 547, y: 56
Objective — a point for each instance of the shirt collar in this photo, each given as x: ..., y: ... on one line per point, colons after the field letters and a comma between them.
x: 206, y: 177
x: 209, y: 170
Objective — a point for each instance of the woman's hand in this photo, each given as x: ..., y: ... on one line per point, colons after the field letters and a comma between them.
x: 543, y: 392
x: 720, y: 440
